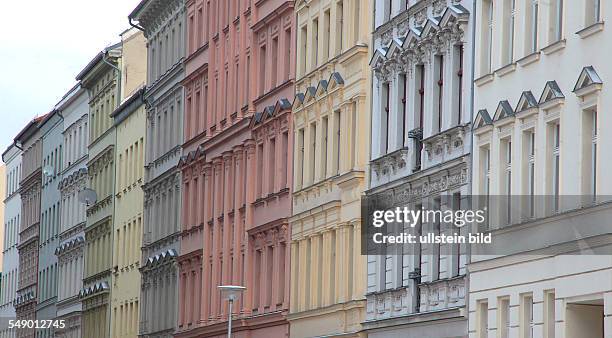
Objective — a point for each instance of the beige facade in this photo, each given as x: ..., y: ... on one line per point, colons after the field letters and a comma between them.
x: 101, y: 78
x: 129, y: 122
x: 331, y: 123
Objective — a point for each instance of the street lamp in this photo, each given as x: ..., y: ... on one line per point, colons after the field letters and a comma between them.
x: 231, y: 293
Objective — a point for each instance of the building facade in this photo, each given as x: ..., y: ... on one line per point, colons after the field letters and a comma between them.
x: 540, y: 133
x: 51, y: 129
x: 74, y: 108
x: 12, y: 219
x: 164, y: 27
x: 420, y: 158
x: 129, y: 122
x: 331, y: 126
x: 30, y: 140
x: 101, y: 78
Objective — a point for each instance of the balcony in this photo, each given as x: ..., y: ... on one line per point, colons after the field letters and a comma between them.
x: 442, y: 294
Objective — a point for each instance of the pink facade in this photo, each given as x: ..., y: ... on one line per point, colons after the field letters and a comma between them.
x: 235, y: 167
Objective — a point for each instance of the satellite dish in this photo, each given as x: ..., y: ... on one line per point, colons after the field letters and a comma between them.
x: 48, y: 171
x: 88, y: 196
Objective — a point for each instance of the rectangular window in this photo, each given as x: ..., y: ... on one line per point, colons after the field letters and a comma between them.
x: 526, y: 322
x: 439, y: 65
x: 272, y: 174
x: 549, y: 314
x: 304, y: 52
x: 300, y: 178
x: 458, y: 96
x: 385, y: 113
x: 273, y: 72
x: 507, y: 178
x: 554, y: 163
x: 589, y: 154
x: 556, y: 20
x: 284, y: 160
x: 403, y: 84
x: 324, y: 132
x: 388, y: 8
x: 326, y: 35
x: 313, y: 148
x: 337, y: 144
x: 420, y: 93
x: 482, y: 319
x: 339, y: 28
x: 592, y: 12
x: 529, y: 173
x: 487, y: 37
x: 262, y: 69
x: 353, y: 143
x: 288, y: 58
x: 315, y: 44
x: 260, y: 175
x: 531, y: 27
x: 509, y: 11
x: 503, y: 315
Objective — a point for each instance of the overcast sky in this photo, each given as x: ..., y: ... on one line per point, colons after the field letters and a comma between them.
x: 43, y: 45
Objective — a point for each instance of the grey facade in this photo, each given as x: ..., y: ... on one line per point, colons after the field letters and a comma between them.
x: 420, y: 157
x: 164, y: 27
x: 74, y: 108
x: 12, y: 219
x: 51, y: 128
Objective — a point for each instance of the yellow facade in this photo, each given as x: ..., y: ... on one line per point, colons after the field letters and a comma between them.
x: 101, y: 78
x: 130, y: 124
x: 331, y: 123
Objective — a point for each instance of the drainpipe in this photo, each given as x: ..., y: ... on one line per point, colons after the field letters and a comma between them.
x: 140, y: 28
x: 118, y: 76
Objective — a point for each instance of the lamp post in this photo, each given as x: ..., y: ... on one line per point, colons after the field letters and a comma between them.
x: 231, y: 293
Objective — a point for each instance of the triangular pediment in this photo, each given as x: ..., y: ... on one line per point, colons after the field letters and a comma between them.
x: 379, y: 55
x: 526, y: 101
x: 335, y: 79
x: 482, y: 119
x: 413, y: 36
x: 588, y: 77
x: 551, y: 91
x: 322, y: 88
x: 311, y: 93
x: 454, y: 13
x: 394, y: 47
x: 298, y: 100
x: 429, y: 28
x: 503, y: 110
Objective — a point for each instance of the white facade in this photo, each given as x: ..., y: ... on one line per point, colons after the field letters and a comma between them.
x: 420, y: 157
x: 74, y: 108
x: 541, y: 69
x: 12, y: 219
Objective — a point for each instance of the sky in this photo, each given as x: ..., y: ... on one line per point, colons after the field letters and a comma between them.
x: 43, y: 46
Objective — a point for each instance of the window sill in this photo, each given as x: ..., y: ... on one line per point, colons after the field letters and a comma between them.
x: 484, y: 79
x: 529, y: 59
x: 554, y: 47
x: 505, y: 70
x: 591, y: 30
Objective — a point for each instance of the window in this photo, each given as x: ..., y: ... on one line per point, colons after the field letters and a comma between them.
x: 507, y: 178
x: 403, y: 83
x: 272, y: 163
x: 487, y: 37
x: 300, y: 180
x: 285, y: 158
x: 531, y: 28
x: 313, y: 148
x: 485, y: 155
x: 592, y: 12
x: 482, y: 318
x: 339, y: 23
x: 315, y: 43
x: 387, y: 10
x: 262, y: 69
x: 385, y: 113
x: 526, y: 322
x: 439, y: 66
x: 503, y: 315
x: 260, y: 175
x: 353, y: 132
x: 589, y: 154
x: 529, y: 172
x: 509, y: 11
x: 556, y: 20
x: 303, y: 43
x: 458, y: 97
x: 554, y: 133
x: 420, y: 79
x: 324, y: 132
x: 337, y: 144
x: 326, y: 36
x: 288, y: 58
x: 549, y: 314
x: 273, y: 73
